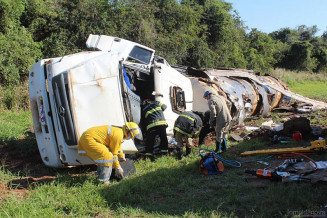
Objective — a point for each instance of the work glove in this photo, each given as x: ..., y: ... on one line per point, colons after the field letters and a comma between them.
x: 119, y: 173
x: 122, y: 158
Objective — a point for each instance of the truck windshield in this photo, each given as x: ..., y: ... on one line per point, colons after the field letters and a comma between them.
x: 140, y: 54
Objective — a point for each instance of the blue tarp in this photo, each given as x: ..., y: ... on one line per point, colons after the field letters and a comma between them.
x: 126, y: 78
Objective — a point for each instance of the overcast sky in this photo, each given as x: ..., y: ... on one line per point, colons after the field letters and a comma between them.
x: 271, y: 15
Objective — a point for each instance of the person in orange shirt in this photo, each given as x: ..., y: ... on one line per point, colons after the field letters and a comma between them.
x: 103, y: 145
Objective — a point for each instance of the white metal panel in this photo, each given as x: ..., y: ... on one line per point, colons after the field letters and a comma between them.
x: 120, y: 47
x: 171, y: 77
x: 96, y: 103
x: 103, y: 43
x: 46, y: 141
x: 96, y: 98
x: 199, y: 103
x: 61, y: 64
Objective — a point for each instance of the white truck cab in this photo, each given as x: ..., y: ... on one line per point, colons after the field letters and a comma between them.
x: 104, y: 86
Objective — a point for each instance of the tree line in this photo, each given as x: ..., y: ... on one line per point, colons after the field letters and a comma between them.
x: 197, y: 33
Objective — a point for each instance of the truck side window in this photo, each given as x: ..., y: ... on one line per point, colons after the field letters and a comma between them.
x: 177, y: 99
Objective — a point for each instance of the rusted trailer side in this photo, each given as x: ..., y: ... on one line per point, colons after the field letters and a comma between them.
x: 245, y: 93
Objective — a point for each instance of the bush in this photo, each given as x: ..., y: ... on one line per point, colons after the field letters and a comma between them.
x: 15, y: 97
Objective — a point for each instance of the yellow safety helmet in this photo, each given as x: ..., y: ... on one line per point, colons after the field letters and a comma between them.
x: 134, y: 130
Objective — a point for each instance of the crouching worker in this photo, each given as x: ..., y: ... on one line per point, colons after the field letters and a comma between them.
x: 103, y: 145
x: 187, y: 126
x: 155, y: 124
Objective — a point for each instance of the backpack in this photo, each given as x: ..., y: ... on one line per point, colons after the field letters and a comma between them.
x: 210, y: 165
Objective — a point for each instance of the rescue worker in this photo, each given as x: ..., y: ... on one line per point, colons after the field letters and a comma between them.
x: 103, y: 145
x: 155, y: 125
x: 206, y: 128
x: 187, y: 126
x: 219, y: 112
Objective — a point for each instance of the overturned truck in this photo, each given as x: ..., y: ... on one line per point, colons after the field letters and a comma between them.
x: 107, y: 83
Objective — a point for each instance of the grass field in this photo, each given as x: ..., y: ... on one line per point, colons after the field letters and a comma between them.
x: 303, y: 83
x: 165, y: 188
x: 317, y: 90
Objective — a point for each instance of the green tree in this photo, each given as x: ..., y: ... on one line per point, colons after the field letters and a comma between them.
x: 307, y: 33
x: 18, y: 51
x: 285, y: 35
x: 324, y: 36
x: 320, y: 54
x: 299, y: 57
x: 261, y: 51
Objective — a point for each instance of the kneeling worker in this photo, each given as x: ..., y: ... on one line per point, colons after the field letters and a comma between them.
x: 103, y: 145
x: 187, y: 126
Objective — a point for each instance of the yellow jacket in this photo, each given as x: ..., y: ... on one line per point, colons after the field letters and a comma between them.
x: 103, y: 145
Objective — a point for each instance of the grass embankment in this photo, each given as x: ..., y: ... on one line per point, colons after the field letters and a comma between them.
x: 165, y: 188
x: 304, y: 83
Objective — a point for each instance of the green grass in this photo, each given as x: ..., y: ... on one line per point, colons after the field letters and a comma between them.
x: 312, y: 89
x: 165, y: 188
x: 307, y: 84
x: 14, y: 124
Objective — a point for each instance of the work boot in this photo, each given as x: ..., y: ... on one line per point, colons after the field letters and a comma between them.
x: 172, y: 151
x: 165, y: 152
x: 188, y: 151
x: 221, y: 146
x: 179, y: 153
x: 153, y: 158
x: 150, y: 156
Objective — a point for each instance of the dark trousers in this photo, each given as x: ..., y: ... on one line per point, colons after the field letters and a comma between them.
x: 151, y: 135
x: 203, y: 132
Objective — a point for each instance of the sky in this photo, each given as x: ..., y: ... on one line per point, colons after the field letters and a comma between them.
x: 271, y: 15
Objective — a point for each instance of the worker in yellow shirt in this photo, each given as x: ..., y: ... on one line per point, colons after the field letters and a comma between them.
x: 103, y: 145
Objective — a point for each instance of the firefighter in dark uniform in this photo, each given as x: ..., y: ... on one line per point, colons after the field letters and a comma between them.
x: 155, y: 124
x: 206, y: 128
x: 187, y: 126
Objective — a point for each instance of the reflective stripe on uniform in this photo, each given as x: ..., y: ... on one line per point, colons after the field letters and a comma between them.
x: 109, y: 130
x: 161, y: 122
x: 151, y: 111
x: 81, y: 152
x: 186, y: 116
x: 116, y: 159
x: 103, y: 161
x: 181, y: 131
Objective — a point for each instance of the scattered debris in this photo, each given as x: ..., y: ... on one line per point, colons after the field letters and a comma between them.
x: 300, y: 124
x: 270, y: 125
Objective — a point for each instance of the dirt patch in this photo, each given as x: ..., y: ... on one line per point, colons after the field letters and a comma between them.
x: 4, y: 191
x: 22, y: 159
x: 29, y: 167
